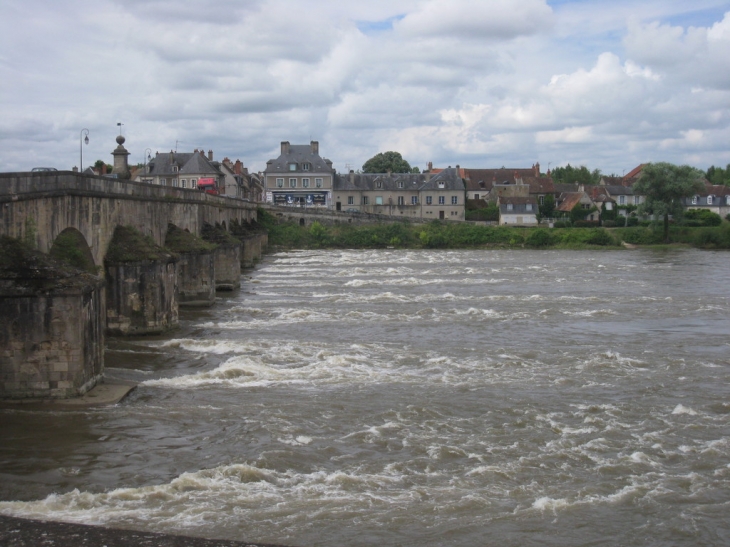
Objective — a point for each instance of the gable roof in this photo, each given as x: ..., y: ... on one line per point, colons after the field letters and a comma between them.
x: 187, y: 163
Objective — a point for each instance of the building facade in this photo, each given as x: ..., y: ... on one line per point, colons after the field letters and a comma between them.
x: 299, y: 177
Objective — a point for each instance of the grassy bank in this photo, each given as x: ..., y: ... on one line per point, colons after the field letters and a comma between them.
x: 453, y: 235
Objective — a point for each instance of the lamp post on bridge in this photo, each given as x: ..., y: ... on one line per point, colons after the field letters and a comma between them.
x: 81, y: 148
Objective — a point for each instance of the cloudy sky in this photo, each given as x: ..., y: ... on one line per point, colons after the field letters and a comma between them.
x: 481, y: 83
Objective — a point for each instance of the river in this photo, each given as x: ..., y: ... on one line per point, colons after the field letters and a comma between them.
x: 410, y: 398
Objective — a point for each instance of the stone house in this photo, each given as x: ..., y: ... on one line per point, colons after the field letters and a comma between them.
x: 518, y: 211
x: 299, y: 177
x: 715, y: 198
x: 181, y: 169
x: 405, y: 195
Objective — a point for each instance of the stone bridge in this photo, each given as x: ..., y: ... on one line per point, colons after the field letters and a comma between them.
x: 53, y: 320
x: 40, y: 206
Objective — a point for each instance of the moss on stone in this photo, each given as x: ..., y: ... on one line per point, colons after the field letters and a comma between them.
x: 129, y: 245
x: 180, y: 241
x: 23, y: 270
x: 220, y: 236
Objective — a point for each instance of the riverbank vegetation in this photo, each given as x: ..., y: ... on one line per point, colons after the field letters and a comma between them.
x: 453, y: 235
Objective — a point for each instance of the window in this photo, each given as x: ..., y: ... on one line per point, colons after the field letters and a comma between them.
x: 305, y: 183
x: 441, y: 185
x: 622, y: 200
x: 442, y: 200
x: 292, y: 183
x: 379, y: 184
x: 318, y: 183
x: 163, y: 182
x: 193, y: 183
x: 709, y: 200
x: 350, y: 200
x: 636, y: 200
x: 528, y: 207
x: 541, y: 200
x: 174, y: 182
x: 694, y: 200
x: 174, y: 168
x: 509, y: 207
x: 476, y: 196
x: 280, y: 183
x: 454, y: 200
x: 378, y: 200
x: 184, y: 183
x: 400, y: 184
x: 365, y: 200
x: 401, y: 200
x: 305, y: 167
x: 429, y: 200
x: 414, y: 200
x: 292, y: 167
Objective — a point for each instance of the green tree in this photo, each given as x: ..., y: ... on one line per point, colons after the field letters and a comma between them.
x: 718, y: 175
x: 547, y: 209
x: 572, y: 175
x: 663, y: 186
x: 386, y: 161
x: 99, y: 163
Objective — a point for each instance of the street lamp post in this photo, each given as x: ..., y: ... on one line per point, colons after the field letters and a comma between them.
x: 82, y: 141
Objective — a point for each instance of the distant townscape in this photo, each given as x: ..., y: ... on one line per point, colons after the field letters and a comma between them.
x: 301, y: 177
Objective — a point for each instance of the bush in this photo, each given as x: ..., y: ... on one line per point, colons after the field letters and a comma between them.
x: 562, y: 224
x: 539, y: 238
x: 610, y: 224
x: 585, y: 223
x: 701, y: 217
x: 600, y: 237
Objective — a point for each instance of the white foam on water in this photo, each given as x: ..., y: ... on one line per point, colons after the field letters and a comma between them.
x: 681, y: 409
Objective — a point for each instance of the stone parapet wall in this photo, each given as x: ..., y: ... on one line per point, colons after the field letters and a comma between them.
x: 228, y: 267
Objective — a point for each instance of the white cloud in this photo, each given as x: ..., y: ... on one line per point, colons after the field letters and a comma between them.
x: 486, y: 83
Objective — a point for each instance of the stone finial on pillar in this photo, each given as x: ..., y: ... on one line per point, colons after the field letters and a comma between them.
x: 121, y: 160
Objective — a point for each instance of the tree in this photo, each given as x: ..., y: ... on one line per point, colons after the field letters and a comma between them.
x: 718, y: 175
x: 547, y: 209
x: 572, y: 175
x: 663, y: 186
x: 386, y: 161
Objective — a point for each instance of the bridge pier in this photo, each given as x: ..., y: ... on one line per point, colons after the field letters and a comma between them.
x: 51, y: 327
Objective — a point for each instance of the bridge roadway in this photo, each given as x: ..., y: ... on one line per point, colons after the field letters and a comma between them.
x: 39, y: 206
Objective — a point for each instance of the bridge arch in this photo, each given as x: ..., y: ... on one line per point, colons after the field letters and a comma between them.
x: 71, y: 247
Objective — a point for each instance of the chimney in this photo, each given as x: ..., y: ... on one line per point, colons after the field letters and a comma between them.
x: 284, y: 147
x: 537, y: 169
x: 103, y: 168
x: 210, y: 155
x: 352, y: 176
x: 315, y: 147
x: 238, y: 167
x: 75, y: 169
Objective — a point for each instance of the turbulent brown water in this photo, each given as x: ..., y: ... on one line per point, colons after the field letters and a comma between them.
x: 412, y: 398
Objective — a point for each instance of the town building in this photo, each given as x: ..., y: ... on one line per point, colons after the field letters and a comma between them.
x: 299, y: 177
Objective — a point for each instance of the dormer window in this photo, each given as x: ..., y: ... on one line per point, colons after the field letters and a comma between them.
x: 400, y: 184
x: 379, y: 184
x: 292, y: 167
x: 305, y: 167
x: 509, y: 206
x: 528, y: 207
x: 441, y: 185
x: 694, y: 200
x: 709, y: 200
x: 174, y: 168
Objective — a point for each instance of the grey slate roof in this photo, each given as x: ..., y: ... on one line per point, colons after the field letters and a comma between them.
x: 299, y: 153
x: 186, y: 162
x: 364, y: 182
